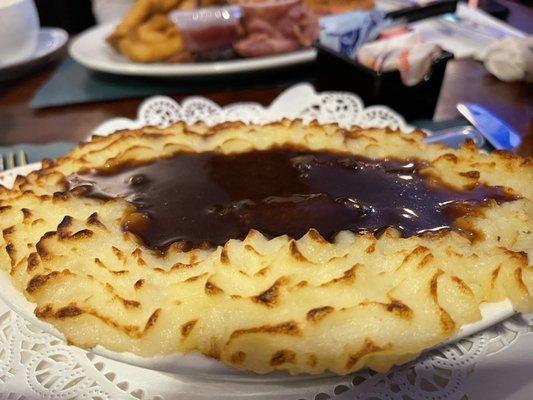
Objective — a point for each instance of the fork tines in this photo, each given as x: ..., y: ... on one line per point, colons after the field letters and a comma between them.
x: 12, y: 160
x: 21, y: 158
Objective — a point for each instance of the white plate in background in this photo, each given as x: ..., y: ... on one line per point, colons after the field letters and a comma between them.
x: 92, y: 51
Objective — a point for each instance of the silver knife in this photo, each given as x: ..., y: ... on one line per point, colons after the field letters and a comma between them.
x: 497, y: 132
x: 456, y: 136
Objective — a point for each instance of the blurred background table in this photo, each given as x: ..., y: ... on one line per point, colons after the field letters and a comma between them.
x: 465, y: 80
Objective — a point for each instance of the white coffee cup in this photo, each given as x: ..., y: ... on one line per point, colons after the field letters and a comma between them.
x: 19, y: 30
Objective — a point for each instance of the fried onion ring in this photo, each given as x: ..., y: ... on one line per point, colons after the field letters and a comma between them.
x: 140, y: 12
x: 156, y: 30
x: 138, y: 51
x: 155, y: 40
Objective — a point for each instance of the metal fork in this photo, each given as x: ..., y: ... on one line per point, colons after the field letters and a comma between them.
x: 12, y: 160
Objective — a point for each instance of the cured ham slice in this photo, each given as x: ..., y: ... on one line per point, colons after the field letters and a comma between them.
x: 275, y: 28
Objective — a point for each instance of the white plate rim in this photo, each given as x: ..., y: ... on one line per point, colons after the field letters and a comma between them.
x: 89, y: 49
x: 195, y: 364
x: 61, y: 37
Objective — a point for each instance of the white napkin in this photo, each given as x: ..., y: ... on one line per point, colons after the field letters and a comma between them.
x: 407, y: 53
x: 510, y: 59
x: 346, y: 33
x: 456, y: 37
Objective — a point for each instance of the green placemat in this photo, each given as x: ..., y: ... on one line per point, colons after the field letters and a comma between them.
x: 74, y: 84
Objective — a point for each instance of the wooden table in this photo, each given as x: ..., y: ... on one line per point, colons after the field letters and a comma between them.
x: 465, y: 80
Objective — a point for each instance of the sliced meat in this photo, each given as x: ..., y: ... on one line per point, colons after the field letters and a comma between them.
x: 262, y: 44
x: 276, y: 28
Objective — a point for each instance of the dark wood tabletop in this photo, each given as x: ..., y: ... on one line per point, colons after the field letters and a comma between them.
x: 465, y: 80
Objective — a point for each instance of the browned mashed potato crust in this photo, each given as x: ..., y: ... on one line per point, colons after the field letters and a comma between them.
x: 304, y: 305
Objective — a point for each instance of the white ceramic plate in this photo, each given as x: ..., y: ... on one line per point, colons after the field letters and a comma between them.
x: 50, y: 42
x: 195, y: 364
x: 92, y: 51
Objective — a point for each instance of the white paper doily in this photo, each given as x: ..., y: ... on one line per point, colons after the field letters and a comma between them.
x: 299, y: 101
x: 34, y: 364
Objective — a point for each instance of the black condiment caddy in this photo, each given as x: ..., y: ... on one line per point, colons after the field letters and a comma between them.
x: 340, y: 73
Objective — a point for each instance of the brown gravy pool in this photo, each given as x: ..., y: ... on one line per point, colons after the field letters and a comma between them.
x: 209, y: 198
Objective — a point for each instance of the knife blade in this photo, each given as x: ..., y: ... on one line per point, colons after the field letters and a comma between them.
x: 497, y: 132
x: 455, y: 137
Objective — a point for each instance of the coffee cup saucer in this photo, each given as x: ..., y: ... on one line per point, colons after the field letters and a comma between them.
x: 50, y: 45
